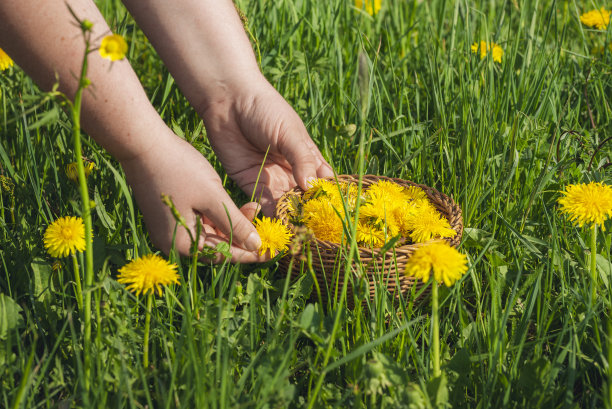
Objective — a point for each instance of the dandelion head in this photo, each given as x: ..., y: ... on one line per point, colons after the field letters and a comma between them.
x: 369, y: 235
x: 372, y: 7
x: 113, y: 47
x: 387, y: 191
x: 322, y: 217
x: 321, y: 187
x: 587, y: 203
x: 72, y: 172
x: 445, y: 262
x: 148, y: 274
x: 415, y: 193
x: 496, y: 52
x: 596, y: 18
x: 382, y: 216
x: 64, y: 236
x: 5, y: 61
x: 427, y: 223
x: 483, y: 49
x: 274, y: 235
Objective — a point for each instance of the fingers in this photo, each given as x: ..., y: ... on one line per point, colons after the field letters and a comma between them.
x: 212, y: 238
x: 299, y: 150
x: 229, y: 220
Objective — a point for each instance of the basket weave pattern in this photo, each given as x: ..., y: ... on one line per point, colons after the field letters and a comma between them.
x: 381, y: 268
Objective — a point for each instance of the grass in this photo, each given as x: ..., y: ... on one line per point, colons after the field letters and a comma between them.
x: 519, y: 330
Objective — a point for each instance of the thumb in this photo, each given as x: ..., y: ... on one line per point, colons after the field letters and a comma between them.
x: 300, y: 157
x: 232, y: 222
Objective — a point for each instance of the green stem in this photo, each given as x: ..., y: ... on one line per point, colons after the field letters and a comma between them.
x: 77, y: 280
x: 194, y: 290
x: 86, y: 214
x: 435, y: 329
x: 145, y: 348
x: 593, y: 263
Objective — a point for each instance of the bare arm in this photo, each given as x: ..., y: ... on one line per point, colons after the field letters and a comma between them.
x: 43, y: 39
x: 204, y: 45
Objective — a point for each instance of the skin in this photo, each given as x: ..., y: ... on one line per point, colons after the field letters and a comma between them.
x: 203, y: 44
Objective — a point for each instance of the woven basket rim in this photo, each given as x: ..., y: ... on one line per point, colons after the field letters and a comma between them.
x: 453, y: 210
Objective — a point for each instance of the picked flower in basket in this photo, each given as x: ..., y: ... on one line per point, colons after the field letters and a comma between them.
x: 393, y: 217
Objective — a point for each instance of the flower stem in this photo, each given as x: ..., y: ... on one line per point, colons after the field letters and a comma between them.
x: 145, y: 349
x: 593, y: 263
x: 86, y: 213
x: 435, y: 329
x: 77, y: 280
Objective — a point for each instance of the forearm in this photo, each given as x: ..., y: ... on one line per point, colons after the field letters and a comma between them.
x: 45, y: 41
x: 203, y: 44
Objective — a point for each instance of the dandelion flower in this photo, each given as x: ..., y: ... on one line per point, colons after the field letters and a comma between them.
x: 484, y: 48
x: 5, y: 60
x: 427, y: 223
x: 383, y: 215
x: 387, y: 191
x: 371, y: 6
x: 64, y: 236
x: 587, y: 203
x: 320, y: 187
x: 415, y: 193
x: 274, y: 235
x: 321, y: 216
x: 113, y: 47
x: 596, y: 18
x: 369, y: 235
x: 446, y: 263
x: 148, y: 274
x: 404, y: 214
x: 73, y: 174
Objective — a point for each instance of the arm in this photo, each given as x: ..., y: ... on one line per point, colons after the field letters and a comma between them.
x: 203, y: 44
x: 118, y: 115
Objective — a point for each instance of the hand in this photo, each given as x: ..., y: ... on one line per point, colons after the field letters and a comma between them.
x: 244, y: 125
x: 173, y: 167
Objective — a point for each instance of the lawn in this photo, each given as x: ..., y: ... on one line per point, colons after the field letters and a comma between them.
x: 400, y: 93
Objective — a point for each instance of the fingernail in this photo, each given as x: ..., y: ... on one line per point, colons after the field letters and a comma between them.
x: 253, y: 242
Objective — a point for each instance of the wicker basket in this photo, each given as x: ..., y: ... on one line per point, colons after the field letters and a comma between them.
x: 380, y: 268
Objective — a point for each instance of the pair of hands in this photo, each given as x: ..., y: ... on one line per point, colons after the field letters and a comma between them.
x: 241, y: 127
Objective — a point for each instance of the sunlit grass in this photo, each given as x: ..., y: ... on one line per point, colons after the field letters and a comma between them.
x: 397, y: 94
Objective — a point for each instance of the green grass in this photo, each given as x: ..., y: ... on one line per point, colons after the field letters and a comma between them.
x: 503, y: 139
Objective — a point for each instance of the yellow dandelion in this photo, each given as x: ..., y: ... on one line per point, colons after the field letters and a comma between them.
x: 368, y: 235
x: 415, y: 193
x: 321, y: 216
x: 321, y: 187
x: 387, y: 191
x: 64, y: 236
x: 446, y: 263
x: 380, y: 214
x: 349, y: 192
x: 371, y: 6
x: 596, y: 18
x: 404, y: 214
x: 427, y: 223
x: 496, y: 51
x: 587, y: 203
x: 113, y: 47
x: 148, y: 274
x: 72, y: 173
x: 5, y: 61
x: 274, y: 235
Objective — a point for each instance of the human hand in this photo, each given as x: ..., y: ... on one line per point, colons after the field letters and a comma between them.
x: 173, y: 167
x: 244, y: 124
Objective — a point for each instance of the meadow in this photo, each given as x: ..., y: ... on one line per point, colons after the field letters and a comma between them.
x: 398, y: 93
